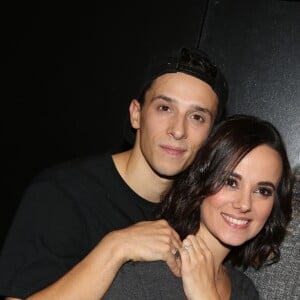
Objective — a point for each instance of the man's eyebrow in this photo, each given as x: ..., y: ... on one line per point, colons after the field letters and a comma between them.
x: 195, y: 107
x: 163, y: 97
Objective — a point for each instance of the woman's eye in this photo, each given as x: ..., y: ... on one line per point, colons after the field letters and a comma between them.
x: 265, y: 191
x: 231, y: 182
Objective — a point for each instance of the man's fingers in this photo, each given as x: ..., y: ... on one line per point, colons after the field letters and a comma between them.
x: 174, y: 263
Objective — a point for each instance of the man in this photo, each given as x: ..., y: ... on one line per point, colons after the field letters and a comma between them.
x: 79, y: 223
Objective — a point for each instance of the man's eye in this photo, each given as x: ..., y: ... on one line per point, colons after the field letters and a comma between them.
x: 198, y: 117
x: 164, y: 108
x: 231, y: 182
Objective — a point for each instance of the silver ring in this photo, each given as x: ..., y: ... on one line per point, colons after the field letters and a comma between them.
x: 176, y: 253
x: 186, y: 247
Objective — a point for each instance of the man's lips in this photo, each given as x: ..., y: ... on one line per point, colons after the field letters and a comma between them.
x: 173, y: 150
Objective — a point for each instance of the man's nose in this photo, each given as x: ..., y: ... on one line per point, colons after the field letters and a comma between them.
x: 177, y: 127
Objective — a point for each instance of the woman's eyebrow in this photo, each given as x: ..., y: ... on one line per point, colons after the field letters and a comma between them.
x: 267, y: 183
x: 236, y: 175
x: 262, y: 183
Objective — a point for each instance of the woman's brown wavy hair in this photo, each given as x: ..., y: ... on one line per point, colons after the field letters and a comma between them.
x: 226, y: 146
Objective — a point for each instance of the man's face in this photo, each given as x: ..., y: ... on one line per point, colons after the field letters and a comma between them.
x: 174, y: 121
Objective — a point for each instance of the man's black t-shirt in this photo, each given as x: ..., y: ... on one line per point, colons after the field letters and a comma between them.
x: 64, y: 213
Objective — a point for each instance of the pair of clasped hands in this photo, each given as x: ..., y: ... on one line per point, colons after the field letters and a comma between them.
x: 189, y: 259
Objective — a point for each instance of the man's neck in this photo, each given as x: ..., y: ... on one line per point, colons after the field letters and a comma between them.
x: 140, y: 177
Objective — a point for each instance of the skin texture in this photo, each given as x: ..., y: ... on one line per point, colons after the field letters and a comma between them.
x: 240, y: 209
x: 173, y: 123
x: 229, y: 218
x: 175, y: 119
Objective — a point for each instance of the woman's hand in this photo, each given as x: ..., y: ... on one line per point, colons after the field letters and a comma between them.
x: 197, y: 270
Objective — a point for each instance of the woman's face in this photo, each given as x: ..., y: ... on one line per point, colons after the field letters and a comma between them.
x: 240, y: 209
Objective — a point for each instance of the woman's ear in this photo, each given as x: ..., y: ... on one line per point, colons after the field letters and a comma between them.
x: 135, y: 111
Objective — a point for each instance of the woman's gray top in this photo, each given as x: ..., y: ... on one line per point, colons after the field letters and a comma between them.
x: 154, y: 281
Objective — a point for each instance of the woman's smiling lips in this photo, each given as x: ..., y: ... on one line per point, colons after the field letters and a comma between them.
x: 235, y: 222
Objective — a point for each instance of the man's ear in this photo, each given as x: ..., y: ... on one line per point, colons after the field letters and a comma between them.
x: 135, y: 112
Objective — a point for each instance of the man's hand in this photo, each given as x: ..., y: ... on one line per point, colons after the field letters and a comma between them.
x: 150, y: 241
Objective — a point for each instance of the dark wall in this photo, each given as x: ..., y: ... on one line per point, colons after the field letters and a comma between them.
x: 68, y: 73
x: 258, y: 44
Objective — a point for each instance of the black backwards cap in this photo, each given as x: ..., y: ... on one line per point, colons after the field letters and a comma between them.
x: 194, y: 62
x: 191, y: 61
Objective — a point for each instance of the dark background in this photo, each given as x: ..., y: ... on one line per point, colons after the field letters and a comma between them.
x: 69, y: 71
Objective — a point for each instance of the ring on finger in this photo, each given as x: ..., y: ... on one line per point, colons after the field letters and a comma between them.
x: 186, y: 247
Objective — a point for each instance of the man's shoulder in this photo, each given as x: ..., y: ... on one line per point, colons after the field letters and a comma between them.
x: 78, y: 168
x: 87, y: 176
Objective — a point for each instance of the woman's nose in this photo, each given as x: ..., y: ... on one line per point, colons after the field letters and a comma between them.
x: 243, y: 202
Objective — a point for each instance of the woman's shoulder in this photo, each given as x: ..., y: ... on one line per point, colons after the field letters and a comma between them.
x: 242, y: 287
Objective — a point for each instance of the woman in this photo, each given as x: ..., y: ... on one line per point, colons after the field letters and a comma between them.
x: 230, y: 207
x: 281, y: 280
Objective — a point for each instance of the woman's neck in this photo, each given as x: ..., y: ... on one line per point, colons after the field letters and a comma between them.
x: 218, y: 250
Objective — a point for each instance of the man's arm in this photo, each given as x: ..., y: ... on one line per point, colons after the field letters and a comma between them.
x: 90, y: 278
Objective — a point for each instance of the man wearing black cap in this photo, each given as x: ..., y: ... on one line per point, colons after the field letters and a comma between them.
x: 77, y: 224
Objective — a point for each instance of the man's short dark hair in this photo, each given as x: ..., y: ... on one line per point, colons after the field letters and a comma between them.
x: 191, y: 61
